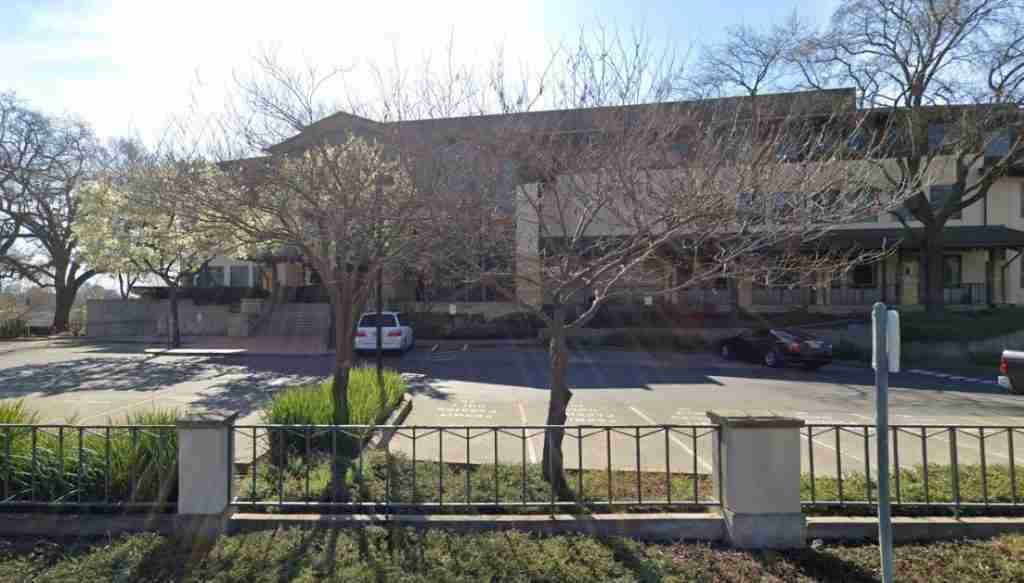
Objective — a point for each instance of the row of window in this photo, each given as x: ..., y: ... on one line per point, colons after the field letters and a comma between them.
x: 214, y: 275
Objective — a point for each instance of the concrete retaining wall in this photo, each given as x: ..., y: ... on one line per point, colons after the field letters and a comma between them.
x: 489, y: 310
x: 120, y: 318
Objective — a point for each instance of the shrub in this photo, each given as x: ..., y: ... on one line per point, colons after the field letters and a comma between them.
x: 13, y: 328
x: 846, y: 350
x: 78, y: 464
x: 313, y: 404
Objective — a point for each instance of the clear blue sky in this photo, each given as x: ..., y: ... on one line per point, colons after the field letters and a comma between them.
x: 126, y: 66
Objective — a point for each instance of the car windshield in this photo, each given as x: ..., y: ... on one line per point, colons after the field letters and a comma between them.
x: 370, y: 321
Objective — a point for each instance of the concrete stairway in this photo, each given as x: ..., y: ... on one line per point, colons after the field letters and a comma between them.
x: 298, y: 320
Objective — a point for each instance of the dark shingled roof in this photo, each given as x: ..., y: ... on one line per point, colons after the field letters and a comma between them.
x: 955, y: 237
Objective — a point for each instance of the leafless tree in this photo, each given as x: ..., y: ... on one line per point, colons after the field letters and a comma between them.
x: 945, y: 80
x: 618, y: 189
x: 43, y: 162
x: 749, y: 61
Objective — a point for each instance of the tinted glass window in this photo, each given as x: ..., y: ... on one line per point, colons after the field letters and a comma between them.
x: 239, y: 276
x: 370, y: 321
x: 946, y: 195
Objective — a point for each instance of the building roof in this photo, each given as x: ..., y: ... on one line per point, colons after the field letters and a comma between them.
x: 811, y: 102
x: 980, y: 236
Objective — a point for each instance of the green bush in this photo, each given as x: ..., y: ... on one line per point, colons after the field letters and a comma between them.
x: 846, y: 350
x: 439, y: 326
x: 960, y: 326
x: 13, y: 328
x: 74, y: 463
x: 313, y: 404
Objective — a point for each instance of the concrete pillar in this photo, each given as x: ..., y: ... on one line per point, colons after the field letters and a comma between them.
x: 744, y: 293
x: 757, y: 463
x: 205, y: 471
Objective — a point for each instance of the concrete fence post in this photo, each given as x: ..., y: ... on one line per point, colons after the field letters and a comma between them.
x: 205, y: 471
x: 757, y: 460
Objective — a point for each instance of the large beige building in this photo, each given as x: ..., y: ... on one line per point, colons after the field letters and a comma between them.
x: 983, y: 244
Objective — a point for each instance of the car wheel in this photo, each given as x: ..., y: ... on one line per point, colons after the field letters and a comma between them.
x: 726, y: 352
x: 772, y: 359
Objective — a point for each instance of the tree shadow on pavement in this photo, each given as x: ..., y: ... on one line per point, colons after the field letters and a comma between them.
x: 141, y: 373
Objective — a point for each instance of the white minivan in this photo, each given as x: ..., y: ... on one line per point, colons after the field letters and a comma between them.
x: 396, y: 332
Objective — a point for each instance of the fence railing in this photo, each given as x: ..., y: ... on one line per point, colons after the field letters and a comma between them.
x: 932, y: 466
x: 102, y: 466
x: 781, y: 296
x: 419, y: 468
x: 966, y: 294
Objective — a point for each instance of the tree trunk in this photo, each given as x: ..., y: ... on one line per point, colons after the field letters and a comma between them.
x: 343, y: 354
x: 380, y: 338
x: 553, y: 463
x: 931, y: 269
x: 62, y: 309
x: 173, y: 324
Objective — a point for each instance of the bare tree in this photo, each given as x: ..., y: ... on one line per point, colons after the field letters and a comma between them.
x: 945, y: 80
x: 749, y: 61
x: 43, y: 162
x: 635, y: 191
x: 136, y: 222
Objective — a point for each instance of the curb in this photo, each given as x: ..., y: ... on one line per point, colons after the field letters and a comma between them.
x: 920, y: 371
x: 397, y: 416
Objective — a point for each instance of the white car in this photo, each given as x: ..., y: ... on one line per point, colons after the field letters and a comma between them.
x: 396, y: 332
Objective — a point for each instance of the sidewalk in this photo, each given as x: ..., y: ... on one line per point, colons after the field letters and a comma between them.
x: 280, y: 345
x: 248, y: 345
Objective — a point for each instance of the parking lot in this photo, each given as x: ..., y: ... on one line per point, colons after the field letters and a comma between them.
x: 493, y: 387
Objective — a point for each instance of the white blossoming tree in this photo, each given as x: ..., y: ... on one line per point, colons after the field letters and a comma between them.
x: 134, y: 222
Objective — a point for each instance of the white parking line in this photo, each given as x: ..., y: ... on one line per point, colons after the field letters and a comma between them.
x: 674, y: 439
x: 529, y: 440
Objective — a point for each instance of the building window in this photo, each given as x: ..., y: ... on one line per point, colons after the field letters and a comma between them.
x: 313, y: 277
x: 211, y: 276
x: 946, y: 195
x: 936, y: 135
x: 239, y: 276
x: 863, y: 276
x: 951, y: 271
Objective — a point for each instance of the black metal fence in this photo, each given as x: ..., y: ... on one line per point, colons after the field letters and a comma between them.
x: 481, y: 468
x: 963, y: 467
x: 101, y: 466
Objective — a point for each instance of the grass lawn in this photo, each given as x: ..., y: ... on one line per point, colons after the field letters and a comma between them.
x: 376, y: 554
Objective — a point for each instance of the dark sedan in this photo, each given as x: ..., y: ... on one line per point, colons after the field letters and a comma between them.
x: 778, y: 347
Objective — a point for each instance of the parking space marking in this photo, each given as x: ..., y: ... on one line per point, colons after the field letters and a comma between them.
x: 466, y: 409
x: 674, y: 439
x: 529, y: 440
x: 581, y: 415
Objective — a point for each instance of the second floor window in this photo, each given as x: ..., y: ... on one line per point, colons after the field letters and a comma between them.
x: 946, y: 195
